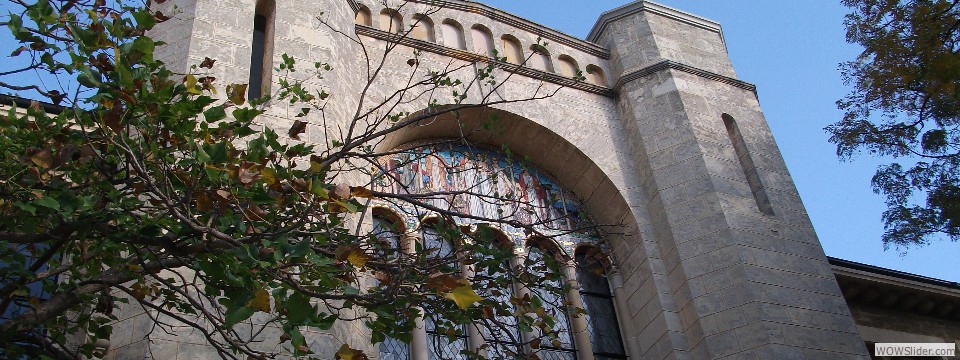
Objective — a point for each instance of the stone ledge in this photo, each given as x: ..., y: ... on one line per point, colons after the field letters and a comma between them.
x: 473, y: 57
x: 652, y: 7
x: 673, y: 65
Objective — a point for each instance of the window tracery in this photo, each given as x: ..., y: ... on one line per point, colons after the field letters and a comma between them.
x: 474, y: 182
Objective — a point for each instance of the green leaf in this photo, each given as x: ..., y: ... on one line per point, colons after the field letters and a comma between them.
x: 214, y: 114
x: 48, y: 202
x: 246, y: 114
x: 299, y: 309
x: 214, y: 153
x: 236, y: 315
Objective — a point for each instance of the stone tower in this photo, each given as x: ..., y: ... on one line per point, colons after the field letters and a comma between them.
x: 719, y: 259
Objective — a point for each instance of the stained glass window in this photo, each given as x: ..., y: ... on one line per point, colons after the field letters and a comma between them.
x: 445, y: 340
x: 559, y: 344
x: 388, y: 239
x: 598, y: 304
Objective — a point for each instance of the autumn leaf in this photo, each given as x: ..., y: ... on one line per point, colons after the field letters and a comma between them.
x: 358, y: 258
x: 299, y: 127
x: 443, y: 283
x: 269, y: 176
x: 248, y: 175
x: 361, y: 192
x: 237, y: 93
x: 204, y: 203
x: 464, y: 295
x: 191, y: 83
x: 207, y: 63
x: 346, y: 353
x: 340, y: 192
x: 261, y: 301
x: 354, y: 255
x: 41, y: 157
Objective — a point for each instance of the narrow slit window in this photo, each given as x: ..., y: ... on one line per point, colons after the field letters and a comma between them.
x: 261, y: 55
x: 749, y: 168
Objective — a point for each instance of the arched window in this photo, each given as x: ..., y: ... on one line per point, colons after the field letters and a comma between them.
x: 568, y: 66
x: 541, y: 58
x: 423, y: 28
x: 541, y: 202
x: 542, y: 262
x: 364, y: 17
x: 598, y: 304
x: 453, y: 35
x: 482, y: 40
x: 511, y: 49
x: 493, y: 280
x: 387, y: 234
x: 595, y: 75
x: 391, y: 21
x: 261, y: 54
x: 439, y: 346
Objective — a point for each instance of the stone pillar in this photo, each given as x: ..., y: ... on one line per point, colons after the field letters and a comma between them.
x: 578, y: 322
x: 739, y: 275
x: 419, y: 349
x: 474, y: 338
x: 620, y: 303
x: 520, y: 291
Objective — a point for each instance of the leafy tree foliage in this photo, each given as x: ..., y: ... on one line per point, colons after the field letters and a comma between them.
x: 160, y: 190
x: 906, y: 106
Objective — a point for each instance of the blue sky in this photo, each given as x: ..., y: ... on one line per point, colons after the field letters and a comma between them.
x: 791, y: 50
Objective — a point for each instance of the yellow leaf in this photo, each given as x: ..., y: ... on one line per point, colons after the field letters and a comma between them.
x: 237, y: 93
x: 261, y: 301
x: 361, y: 192
x: 464, y: 295
x: 346, y: 353
x: 269, y: 175
x: 192, y: 84
x: 357, y: 258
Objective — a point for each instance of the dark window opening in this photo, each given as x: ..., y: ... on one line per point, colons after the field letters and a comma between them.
x: 255, y: 87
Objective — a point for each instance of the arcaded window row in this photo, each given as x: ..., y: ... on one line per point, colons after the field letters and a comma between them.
x: 452, y: 35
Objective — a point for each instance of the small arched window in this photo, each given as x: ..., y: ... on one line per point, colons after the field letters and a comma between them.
x: 595, y: 75
x: 511, y: 49
x: 364, y: 17
x: 542, y: 262
x: 568, y: 66
x: 387, y: 235
x: 423, y: 28
x: 439, y: 346
x: 453, y: 35
x: 391, y: 21
x: 261, y: 54
x: 598, y: 304
x: 493, y: 280
x: 482, y: 40
x: 540, y: 59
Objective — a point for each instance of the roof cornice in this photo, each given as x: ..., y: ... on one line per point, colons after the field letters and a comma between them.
x: 653, y: 8
x: 504, y: 17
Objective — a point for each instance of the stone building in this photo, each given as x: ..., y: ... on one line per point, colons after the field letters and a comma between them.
x: 718, y: 259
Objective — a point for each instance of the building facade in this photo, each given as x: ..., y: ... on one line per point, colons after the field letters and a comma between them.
x: 646, y: 126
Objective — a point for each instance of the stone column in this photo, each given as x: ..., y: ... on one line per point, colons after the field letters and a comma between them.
x: 578, y: 322
x: 474, y: 338
x: 418, y: 345
x: 520, y: 291
x: 620, y: 303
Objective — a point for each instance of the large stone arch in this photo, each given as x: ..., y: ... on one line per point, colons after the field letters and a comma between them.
x: 495, y: 128
x: 642, y: 304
